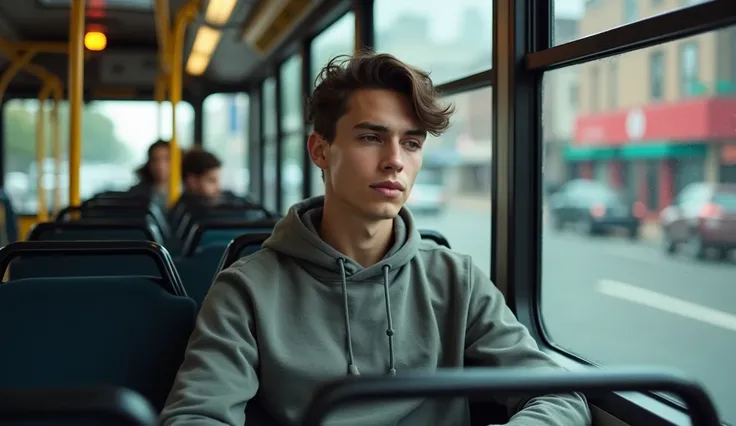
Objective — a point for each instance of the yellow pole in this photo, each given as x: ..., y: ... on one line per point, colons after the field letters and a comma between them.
x: 56, y: 148
x: 13, y: 69
x: 43, y: 211
x: 76, y: 93
x: 183, y: 17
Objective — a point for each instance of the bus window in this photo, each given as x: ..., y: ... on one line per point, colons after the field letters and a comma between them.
x: 450, y: 39
x: 293, y: 143
x: 338, y: 39
x: 602, y: 15
x: 626, y: 282
x: 225, y: 126
x: 270, y: 139
x: 112, y: 148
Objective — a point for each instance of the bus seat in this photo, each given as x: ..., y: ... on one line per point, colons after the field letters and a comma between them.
x: 198, y: 271
x: 428, y: 234
x: 8, y: 221
x: 45, y: 259
x: 96, y: 230
x: 76, y: 332
x: 222, y: 232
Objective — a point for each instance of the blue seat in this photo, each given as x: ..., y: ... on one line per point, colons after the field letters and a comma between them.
x: 77, y: 332
x: 83, y: 259
x: 8, y: 221
x: 88, y: 265
x: 198, y: 271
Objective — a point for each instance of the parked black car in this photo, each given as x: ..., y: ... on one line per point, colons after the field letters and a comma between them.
x: 593, y: 208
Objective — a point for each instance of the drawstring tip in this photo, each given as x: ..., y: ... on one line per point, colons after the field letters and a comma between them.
x: 353, y: 370
x: 392, y: 372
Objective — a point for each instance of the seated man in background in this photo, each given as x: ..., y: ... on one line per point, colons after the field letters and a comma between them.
x: 201, y: 174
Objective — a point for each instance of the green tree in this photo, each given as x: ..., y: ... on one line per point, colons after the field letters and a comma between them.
x: 99, y: 143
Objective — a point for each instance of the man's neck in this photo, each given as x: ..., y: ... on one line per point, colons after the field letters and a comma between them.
x: 365, y: 242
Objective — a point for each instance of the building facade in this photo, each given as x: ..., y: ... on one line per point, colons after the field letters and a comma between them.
x: 654, y: 120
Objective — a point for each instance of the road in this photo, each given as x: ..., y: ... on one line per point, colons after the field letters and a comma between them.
x: 618, y: 302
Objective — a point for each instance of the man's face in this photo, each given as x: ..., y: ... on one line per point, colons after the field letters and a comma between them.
x: 205, y: 185
x: 371, y: 165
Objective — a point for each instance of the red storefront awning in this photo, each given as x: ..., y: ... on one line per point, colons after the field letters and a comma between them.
x: 691, y: 120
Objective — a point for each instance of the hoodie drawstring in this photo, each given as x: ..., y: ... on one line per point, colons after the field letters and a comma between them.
x: 390, y: 329
x: 352, y: 367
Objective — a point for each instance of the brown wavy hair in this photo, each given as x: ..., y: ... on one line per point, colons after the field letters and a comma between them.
x: 345, y: 74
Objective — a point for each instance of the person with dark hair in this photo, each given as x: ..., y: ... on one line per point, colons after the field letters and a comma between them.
x: 201, y: 174
x: 346, y: 286
x: 153, y: 176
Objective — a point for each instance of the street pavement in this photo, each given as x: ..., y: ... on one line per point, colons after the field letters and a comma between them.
x: 618, y: 302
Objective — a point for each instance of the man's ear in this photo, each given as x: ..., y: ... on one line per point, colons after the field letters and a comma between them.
x: 318, y: 149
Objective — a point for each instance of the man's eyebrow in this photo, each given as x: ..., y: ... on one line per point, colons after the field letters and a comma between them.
x: 383, y: 129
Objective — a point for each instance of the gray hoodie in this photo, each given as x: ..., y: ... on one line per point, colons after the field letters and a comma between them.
x: 298, y: 312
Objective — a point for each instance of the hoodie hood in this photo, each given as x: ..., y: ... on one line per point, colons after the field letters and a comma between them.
x: 297, y: 236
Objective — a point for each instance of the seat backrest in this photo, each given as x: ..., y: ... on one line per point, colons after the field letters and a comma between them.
x: 222, y: 232
x: 243, y: 245
x: 97, y: 230
x: 198, y: 271
x: 8, y: 221
x: 428, y: 234
x: 82, y: 266
x: 76, y: 332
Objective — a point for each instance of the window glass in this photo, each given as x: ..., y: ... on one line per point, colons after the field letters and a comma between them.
x: 292, y: 98
x: 270, y: 125
x: 581, y: 18
x: 632, y: 279
x: 291, y: 169
x: 225, y: 127
x: 293, y: 145
x: 689, y: 69
x: 112, y: 148
x: 452, y: 193
x: 338, y: 39
x: 450, y: 39
x: 269, y: 174
x: 656, y: 76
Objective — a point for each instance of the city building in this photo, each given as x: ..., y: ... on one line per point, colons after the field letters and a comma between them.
x: 654, y: 120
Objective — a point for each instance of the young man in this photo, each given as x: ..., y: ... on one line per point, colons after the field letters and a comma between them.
x: 200, y: 171
x: 346, y: 286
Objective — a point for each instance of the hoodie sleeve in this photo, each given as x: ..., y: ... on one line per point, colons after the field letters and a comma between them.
x: 218, y: 376
x: 494, y: 337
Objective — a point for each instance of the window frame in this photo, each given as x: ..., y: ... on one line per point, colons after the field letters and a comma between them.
x: 517, y: 194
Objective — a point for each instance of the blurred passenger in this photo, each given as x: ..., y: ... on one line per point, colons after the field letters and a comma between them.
x: 153, y: 176
x: 201, y: 174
